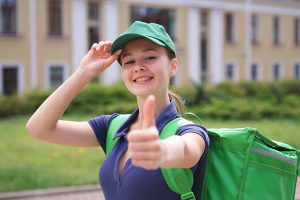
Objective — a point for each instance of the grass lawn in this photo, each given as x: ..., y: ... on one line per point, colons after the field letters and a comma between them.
x: 27, y: 163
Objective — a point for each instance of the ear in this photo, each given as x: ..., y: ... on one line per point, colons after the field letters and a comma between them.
x: 174, y: 67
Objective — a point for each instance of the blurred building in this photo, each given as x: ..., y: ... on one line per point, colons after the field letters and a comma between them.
x: 43, y: 41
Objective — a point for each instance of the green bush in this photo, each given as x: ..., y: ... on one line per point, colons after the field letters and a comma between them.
x: 9, y: 106
x: 290, y: 87
x: 31, y: 101
x: 97, y: 99
x: 246, y: 100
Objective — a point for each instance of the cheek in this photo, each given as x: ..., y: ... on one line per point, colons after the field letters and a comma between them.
x: 125, y: 76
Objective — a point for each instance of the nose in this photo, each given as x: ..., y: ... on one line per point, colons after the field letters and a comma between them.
x: 139, y: 67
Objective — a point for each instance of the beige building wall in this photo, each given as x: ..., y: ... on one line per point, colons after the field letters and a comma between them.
x: 236, y: 52
x: 18, y: 49
x: 55, y: 50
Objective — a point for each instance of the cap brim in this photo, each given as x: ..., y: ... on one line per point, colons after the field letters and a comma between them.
x: 121, y: 41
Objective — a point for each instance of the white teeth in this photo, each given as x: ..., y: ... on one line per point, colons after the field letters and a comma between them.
x: 142, y: 79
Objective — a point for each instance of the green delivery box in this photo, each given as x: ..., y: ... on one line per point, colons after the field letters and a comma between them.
x: 242, y: 164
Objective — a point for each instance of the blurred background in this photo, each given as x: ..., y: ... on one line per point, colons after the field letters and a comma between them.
x: 42, y: 42
x: 239, y: 66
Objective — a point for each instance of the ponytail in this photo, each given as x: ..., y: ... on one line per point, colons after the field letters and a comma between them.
x: 179, y: 103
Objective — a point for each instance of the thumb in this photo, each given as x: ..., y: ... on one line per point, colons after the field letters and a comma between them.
x: 148, y: 112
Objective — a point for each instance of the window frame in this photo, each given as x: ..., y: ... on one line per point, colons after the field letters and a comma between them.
x: 230, y: 39
x: 20, y: 75
x: 255, y: 30
x: 281, y: 71
x: 259, y: 71
x: 17, y: 22
x: 277, y: 32
x: 47, y: 73
x: 297, y: 31
x: 93, y: 23
x: 294, y: 74
x: 235, y: 75
x: 172, y: 12
x: 62, y: 25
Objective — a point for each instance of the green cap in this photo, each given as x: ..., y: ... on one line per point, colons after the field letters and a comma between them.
x: 151, y: 31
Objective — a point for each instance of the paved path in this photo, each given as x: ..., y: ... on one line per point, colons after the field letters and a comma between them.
x: 90, y: 192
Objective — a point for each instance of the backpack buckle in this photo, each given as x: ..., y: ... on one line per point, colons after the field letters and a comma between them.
x: 188, y: 196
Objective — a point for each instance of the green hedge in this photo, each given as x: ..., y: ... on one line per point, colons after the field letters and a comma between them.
x: 246, y: 100
x: 225, y: 101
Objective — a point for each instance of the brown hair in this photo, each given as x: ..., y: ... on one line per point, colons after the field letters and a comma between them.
x: 179, y: 103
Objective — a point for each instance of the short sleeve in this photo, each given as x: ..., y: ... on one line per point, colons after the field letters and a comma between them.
x: 100, y: 126
x: 194, y: 128
x: 200, y: 130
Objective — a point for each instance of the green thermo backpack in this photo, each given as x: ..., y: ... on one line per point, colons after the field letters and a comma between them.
x: 241, y: 164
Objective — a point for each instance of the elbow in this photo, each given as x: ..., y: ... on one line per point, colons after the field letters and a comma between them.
x: 32, y: 130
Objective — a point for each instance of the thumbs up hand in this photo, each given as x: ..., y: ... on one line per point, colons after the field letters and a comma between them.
x: 145, y: 147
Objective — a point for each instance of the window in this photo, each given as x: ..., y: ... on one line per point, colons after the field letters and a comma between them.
x: 276, y: 30
x: 165, y: 17
x: 254, y: 29
x: 10, y: 80
x: 254, y: 72
x: 8, y: 17
x: 56, y: 75
x: 297, y: 31
x: 297, y: 71
x: 230, y: 72
x: 93, y: 23
x: 204, y: 17
x: 229, y: 28
x: 55, y: 18
x: 276, y: 72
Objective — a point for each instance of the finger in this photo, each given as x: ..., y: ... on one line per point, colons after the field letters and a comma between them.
x: 144, y: 147
x: 148, y: 112
x: 94, y: 46
x: 108, y: 43
x: 112, y: 58
x: 142, y: 156
x: 149, y: 165
x: 143, y: 135
x: 100, y: 44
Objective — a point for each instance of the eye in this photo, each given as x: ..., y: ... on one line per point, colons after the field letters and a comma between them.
x: 151, y: 58
x: 129, y: 62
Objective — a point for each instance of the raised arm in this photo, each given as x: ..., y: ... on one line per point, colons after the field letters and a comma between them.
x: 45, y: 123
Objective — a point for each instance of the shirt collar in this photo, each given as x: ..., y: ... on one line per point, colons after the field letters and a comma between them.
x: 169, y: 113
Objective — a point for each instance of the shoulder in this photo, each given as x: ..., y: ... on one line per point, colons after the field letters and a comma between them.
x: 193, y: 128
x: 102, y: 119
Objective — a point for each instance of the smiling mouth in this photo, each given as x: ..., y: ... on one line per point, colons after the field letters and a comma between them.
x: 143, y: 79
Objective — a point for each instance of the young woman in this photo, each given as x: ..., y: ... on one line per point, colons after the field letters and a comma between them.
x: 131, y: 171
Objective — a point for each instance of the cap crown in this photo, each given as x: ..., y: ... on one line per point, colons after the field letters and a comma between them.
x: 152, y: 31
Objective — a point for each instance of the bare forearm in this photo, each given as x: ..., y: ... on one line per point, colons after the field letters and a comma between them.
x: 48, y: 114
x: 183, y: 151
x: 174, y: 152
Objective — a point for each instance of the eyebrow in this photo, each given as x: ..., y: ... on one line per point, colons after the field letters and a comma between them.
x: 144, y: 50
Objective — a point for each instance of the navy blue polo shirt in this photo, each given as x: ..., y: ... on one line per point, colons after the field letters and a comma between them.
x: 135, y: 182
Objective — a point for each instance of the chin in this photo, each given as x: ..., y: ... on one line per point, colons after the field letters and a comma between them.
x: 142, y: 92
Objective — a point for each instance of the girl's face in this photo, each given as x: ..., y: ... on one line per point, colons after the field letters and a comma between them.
x: 146, y: 68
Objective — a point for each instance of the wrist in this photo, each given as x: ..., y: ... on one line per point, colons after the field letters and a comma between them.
x: 84, y: 74
x: 173, y: 152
